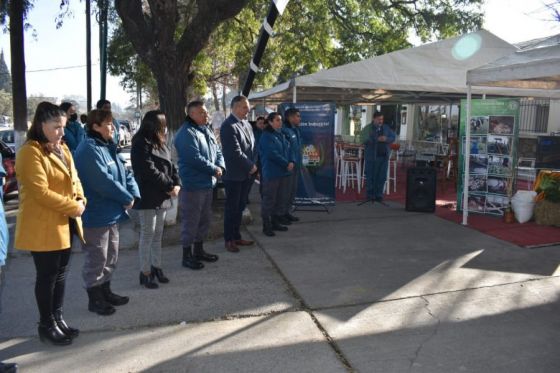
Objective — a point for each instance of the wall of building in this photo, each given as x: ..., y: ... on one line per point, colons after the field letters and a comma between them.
x: 554, y: 116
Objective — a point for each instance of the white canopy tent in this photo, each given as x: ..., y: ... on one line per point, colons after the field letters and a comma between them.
x: 430, y: 72
x: 523, y: 71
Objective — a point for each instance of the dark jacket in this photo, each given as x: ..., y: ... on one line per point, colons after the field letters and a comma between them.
x: 238, y: 148
x: 275, y: 154
x: 107, y: 185
x: 199, y: 156
x: 293, y: 134
x: 154, y: 172
x: 369, y: 137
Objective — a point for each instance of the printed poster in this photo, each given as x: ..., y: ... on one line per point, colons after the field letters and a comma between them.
x: 316, y: 185
x: 494, y: 127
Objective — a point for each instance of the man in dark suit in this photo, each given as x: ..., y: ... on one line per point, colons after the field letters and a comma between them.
x: 240, y: 155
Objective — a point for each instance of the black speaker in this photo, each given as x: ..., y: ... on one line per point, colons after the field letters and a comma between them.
x: 421, y: 189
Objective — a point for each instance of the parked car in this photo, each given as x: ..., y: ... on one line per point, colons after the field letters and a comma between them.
x: 9, y: 163
x: 8, y: 137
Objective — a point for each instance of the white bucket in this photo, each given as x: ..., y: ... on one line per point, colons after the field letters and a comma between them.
x: 523, y: 205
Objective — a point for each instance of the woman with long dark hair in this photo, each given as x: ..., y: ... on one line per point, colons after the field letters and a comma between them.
x: 51, y: 202
x: 111, y: 191
x: 277, y: 165
x: 158, y: 181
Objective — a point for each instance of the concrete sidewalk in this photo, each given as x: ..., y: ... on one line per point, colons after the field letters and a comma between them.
x: 365, y: 288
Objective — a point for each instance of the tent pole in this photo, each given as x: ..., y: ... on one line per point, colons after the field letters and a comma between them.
x: 466, y: 158
x: 294, y: 94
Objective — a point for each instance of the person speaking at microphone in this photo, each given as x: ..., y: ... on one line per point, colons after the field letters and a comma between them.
x: 376, y: 137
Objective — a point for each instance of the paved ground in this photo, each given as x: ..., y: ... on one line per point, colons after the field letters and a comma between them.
x: 364, y: 288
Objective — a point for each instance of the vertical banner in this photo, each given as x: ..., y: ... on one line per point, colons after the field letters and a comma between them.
x: 494, y: 127
x: 317, y: 177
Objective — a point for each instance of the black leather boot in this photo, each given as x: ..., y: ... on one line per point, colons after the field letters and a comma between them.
x: 277, y: 226
x: 202, y: 255
x: 282, y: 219
x: 267, y: 227
x: 49, y: 332
x: 148, y: 281
x: 189, y: 259
x: 159, y: 275
x: 291, y: 218
x: 97, y: 302
x: 112, y: 298
x: 68, y: 331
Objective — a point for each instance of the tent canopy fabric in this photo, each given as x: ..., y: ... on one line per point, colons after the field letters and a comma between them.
x: 435, y: 71
x: 537, y: 68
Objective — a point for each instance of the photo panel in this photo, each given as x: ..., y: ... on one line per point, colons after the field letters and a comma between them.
x: 478, y: 164
x: 501, y: 124
x: 499, y: 144
x: 478, y: 145
x: 499, y: 165
x: 477, y: 183
x: 496, y: 204
x: 479, y: 125
x: 476, y: 203
x: 497, y: 185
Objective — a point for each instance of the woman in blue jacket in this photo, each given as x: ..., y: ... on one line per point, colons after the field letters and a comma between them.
x: 110, y: 191
x: 277, y: 164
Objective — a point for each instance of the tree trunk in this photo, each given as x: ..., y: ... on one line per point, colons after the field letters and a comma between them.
x: 17, y: 50
x: 224, y: 105
x: 215, y: 96
x: 171, y: 91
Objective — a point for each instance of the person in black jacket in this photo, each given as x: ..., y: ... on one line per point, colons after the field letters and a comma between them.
x: 158, y: 181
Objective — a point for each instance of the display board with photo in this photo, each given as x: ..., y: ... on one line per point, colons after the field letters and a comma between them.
x: 499, y: 144
x: 501, y: 124
x: 496, y: 204
x: 477, y: 203
x: 479, y: 125
x: 499, y: 165
x: 478, y: 164
x: 494, y: 132
x: 478, y: 144
x: 477, y: 183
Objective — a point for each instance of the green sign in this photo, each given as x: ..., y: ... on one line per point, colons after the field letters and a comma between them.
x: 494, y: 130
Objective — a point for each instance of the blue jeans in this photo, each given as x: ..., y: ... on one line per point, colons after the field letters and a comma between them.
x: 376, y: 175
x: 236, y: 200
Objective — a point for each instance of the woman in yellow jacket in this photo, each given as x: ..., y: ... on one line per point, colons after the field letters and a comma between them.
x: 51, y: 202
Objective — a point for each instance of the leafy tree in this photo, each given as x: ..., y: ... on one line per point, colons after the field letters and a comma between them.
x: 168, y: 40
x: 5, y: 76
x: 311, y: 35
x: 6, y: 103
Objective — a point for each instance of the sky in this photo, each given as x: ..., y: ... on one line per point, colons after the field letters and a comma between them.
x: 55, y: 58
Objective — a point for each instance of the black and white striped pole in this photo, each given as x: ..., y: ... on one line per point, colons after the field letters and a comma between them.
x: 276, y: 8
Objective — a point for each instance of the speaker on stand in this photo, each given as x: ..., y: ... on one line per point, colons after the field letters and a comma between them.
x: 421, y: 189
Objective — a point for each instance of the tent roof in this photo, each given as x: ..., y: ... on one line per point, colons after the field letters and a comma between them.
x: 430, y: 72
x: 537, y: 68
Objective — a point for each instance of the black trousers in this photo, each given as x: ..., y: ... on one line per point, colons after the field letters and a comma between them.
x: 50, y: 282
x: 237, y: 193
